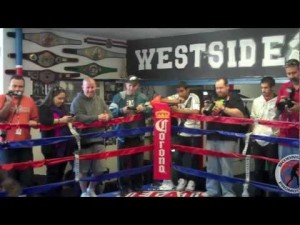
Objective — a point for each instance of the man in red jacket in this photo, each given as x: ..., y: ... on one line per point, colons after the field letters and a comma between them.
x: 288, y: 106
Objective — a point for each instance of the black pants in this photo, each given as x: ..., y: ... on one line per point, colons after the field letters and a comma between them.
x: 134, y: 182
x: 270, y: 151
x: 55, y: 173
x: 24, y: 177
x: 187, y: 159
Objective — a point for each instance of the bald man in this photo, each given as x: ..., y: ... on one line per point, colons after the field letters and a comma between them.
x: 88, y: 108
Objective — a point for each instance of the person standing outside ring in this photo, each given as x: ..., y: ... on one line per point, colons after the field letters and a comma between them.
x: 87, y: 108
x: 17, y: 108
x: 125, y: 103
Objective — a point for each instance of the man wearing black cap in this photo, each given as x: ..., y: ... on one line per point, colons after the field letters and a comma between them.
x: 125, y: 103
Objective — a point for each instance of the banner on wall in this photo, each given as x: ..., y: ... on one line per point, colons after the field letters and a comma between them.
x: 240, y: 53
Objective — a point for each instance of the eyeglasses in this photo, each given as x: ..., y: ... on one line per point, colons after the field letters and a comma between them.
x: 292, y: 62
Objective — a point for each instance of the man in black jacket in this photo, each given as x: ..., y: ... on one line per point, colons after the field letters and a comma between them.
x: 228, y: 105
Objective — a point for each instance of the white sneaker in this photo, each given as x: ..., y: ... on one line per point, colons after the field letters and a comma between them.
x: 166, y: 185
x: 181, y: 184
x: 204, y: 194
x: 190, y: 186
x: 91, y: 192
x: 85, y: 194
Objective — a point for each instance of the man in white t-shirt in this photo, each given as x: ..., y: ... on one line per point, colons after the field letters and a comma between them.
x: 186, y: 103
x: 264, y: 108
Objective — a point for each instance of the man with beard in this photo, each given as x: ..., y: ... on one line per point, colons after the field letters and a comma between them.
x: 229, y: 105
x: 17, y: 108
x: 288, y: 106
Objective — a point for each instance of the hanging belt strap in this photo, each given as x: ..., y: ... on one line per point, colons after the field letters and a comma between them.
x: 247, y: 166
x: 76, y: 153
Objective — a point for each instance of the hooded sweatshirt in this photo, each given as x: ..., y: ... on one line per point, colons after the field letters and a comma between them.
x: 86, y: 111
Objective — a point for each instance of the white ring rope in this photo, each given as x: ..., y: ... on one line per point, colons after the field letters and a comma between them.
x: 247, y: 166
x: 247, y: 178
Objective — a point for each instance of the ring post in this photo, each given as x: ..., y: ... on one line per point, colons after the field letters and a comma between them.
x: 162, y: 142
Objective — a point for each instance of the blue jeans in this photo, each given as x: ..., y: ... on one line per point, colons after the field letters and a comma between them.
x: 220, y: 166
x: 285, y: 150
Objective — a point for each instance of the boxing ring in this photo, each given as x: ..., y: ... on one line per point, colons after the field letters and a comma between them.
x: 162, y: 159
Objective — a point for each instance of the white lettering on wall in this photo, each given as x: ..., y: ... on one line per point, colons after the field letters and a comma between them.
x: 243, y: 53
x: 163, y: 57
x: 272, y: 50
x: 216, y: 56
x: 197, y: 48
x: 179, y: 54
x: 248, y: 53
x: 145, y: 61
x: 231, y: 54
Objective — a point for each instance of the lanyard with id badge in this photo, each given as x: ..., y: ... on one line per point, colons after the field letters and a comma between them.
x: 17, y: 113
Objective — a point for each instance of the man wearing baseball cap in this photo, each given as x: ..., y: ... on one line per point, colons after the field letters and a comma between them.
x: 132, y: 79
x: 126, y: 103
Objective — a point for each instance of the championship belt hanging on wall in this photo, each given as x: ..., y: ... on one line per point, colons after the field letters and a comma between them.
x: 92, y: 69
x: 94, y: 53
x: 45, y: 76
x: 45, y: 58
x: 108, y: 43
x: 46, y: 39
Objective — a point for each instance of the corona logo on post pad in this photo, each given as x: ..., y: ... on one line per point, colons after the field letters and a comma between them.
x: 162, y: 114
x: 161, y: 141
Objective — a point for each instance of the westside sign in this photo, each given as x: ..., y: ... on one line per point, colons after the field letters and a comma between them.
x: 162, y: 145
x: 240, y: 53
x: 246, y: 52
